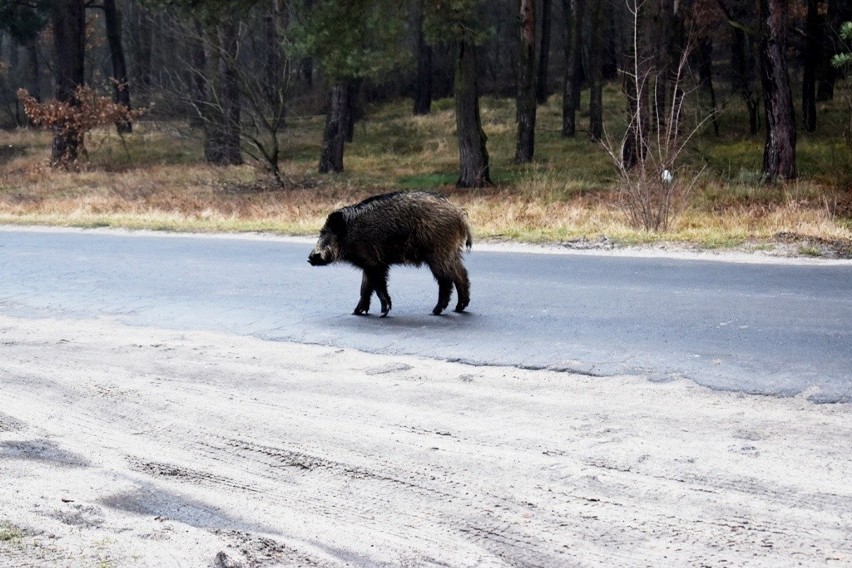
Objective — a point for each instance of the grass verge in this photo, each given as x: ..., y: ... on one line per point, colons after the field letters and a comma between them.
x: 155, y: 179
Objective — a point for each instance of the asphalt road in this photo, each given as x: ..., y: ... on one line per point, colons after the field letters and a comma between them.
x: 766, y: 328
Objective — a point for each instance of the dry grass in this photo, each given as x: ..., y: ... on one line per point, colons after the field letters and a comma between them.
x: 154, y: 179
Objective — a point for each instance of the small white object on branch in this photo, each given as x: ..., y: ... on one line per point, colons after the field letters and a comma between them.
x: 667, y: 176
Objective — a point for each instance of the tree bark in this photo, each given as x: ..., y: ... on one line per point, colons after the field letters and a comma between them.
x: 473, y: 154
x: 573, y: 10
x: 69, y: 40
x: 423, y: 87
x: 779, y: 153
x: 334, y: 134
x: 596, y: 73
x: 121, y: 88
x: 541, y: 84
x: 526, y: 97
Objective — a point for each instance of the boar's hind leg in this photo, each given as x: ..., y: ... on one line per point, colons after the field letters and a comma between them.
x: 380, y: 283
x: 462, y: 283
x: 445, y: 289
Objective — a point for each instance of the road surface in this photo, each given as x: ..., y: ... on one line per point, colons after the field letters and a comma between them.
x: 767, y: 328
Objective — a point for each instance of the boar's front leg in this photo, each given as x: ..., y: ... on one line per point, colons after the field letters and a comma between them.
x: 366, y: 292
x: 374, y: 280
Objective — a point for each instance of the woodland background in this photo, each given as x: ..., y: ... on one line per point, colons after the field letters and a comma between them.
x: 703, y: 120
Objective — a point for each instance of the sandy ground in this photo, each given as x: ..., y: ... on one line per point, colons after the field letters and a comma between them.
x: 145, y: 447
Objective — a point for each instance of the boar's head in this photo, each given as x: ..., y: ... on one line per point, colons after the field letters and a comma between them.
x: 327, y: 249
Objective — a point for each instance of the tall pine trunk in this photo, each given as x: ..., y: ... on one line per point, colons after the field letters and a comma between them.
x: 703, y: 57
x: 813, y: 55
x: 779, y: 152
x: 423, y: 87
x: 121, y: 88
x: 334, y: 134
x: 526, y: 98
x: 69, y: 41
x: 573, y: 10
x: 541, y: 83
x: 742, y: 64
x: 473, y: 154
x: 596, y: 73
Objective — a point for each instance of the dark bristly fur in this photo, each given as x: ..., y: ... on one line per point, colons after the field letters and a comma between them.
x: 412, y: 228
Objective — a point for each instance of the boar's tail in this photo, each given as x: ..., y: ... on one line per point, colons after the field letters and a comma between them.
x: 468, y: 243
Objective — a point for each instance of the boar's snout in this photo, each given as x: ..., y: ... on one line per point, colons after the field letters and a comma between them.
x: 316, y: 259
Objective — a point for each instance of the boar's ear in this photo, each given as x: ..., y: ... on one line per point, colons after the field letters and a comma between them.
x: 336, y: 223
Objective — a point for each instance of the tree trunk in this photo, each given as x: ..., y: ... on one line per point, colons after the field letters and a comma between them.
x: 526, y: 100
x: 69, y: 41
x: 35, y: 69
x: 813, y: 48
x: 354, y: 110
x: 779, y: 153
x: 423, y: 88
x: 473, y: 154
x: 573, y: 10
x: 596, y: 73
x: 541, y: 85
x: 334, y: 135
x: 229, y: 93
x: 827, y: 74
x: 198, y: 95
x: 121, y: 89
x: 142, y: 40
x: 662, y: 41
x: 742, y: 66
x: 704, y: 62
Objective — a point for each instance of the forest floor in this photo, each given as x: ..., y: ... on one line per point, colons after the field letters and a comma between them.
x: 124, y: 446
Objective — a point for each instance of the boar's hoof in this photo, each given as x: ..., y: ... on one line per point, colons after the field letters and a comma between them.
x: 437, y: 310
x: 462, y: 305
x: 360, y: 310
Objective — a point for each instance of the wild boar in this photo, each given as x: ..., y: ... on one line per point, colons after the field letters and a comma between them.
x: 412, y: 228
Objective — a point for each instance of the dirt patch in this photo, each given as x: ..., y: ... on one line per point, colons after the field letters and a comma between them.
x: 215, y: 450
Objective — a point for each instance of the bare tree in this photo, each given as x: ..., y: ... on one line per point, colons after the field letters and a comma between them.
x: 653, y: 187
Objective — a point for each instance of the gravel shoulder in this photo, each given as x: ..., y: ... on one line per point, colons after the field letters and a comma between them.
x: 124, y: 446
